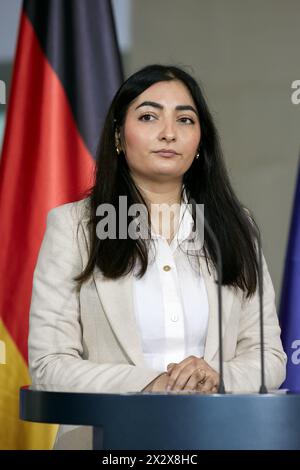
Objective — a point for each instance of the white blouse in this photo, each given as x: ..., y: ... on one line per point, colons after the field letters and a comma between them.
x: 170, y: 301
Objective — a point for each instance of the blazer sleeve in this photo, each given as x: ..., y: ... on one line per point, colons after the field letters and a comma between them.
x: 55, y: 331
x: 243, y: 372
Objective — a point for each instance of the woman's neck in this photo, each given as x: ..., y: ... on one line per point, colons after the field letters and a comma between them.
x: 161, y: 195
x: 164, y: 222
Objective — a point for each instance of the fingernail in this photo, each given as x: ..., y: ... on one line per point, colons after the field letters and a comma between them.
x: 168, y: 388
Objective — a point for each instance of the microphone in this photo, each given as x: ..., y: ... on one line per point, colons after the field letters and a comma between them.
x: 263, y: 388
x: 199, y: 215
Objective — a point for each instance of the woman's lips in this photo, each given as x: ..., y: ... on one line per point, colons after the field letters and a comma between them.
x: 166, y: 154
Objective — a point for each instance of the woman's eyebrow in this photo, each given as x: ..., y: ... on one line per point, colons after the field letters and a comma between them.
x: 180, y: 107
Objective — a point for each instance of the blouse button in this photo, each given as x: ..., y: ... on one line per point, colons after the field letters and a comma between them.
x: 174, y: 317
x: 166, y: 267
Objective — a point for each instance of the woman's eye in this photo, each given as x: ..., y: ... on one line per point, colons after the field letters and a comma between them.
x: 146, y: 118
x: 145, y: 115
x: 190, y: 119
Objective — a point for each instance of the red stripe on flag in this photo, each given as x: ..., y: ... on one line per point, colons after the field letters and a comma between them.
x: 44, y: 163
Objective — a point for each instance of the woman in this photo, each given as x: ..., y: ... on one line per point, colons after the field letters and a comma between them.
x: 117, y: 313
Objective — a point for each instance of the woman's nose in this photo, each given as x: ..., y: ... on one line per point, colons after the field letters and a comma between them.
x: 168, y: 131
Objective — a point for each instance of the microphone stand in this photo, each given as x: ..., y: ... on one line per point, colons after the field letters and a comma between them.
x: 263, y: 388
x: 221, y: 388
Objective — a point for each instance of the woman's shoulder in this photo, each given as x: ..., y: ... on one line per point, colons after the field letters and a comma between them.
x: 77, y: 211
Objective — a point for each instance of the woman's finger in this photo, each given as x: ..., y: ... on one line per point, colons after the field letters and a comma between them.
x: 198, y: 376
x: 207, y: 386
x: 170, y: 366
x: 178, y: 378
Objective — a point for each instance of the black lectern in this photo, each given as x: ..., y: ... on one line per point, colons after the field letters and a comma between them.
x: 171, y: 420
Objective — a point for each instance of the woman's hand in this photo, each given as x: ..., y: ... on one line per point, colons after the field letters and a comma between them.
x: 158, y: 384
x: 193, y: 373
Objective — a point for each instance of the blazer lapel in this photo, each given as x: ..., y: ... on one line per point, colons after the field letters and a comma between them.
x: 117, y: 301
x: 116, y: 297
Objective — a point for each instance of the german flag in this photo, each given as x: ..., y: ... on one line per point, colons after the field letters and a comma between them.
x: 66, y: 71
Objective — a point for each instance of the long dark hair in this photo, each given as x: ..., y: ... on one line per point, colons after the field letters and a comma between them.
x: 206, y: 182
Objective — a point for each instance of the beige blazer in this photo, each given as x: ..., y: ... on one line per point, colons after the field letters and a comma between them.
x: 88, y: 339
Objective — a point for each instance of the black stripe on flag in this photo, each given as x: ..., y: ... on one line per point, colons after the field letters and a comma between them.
x: 79, y: 40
